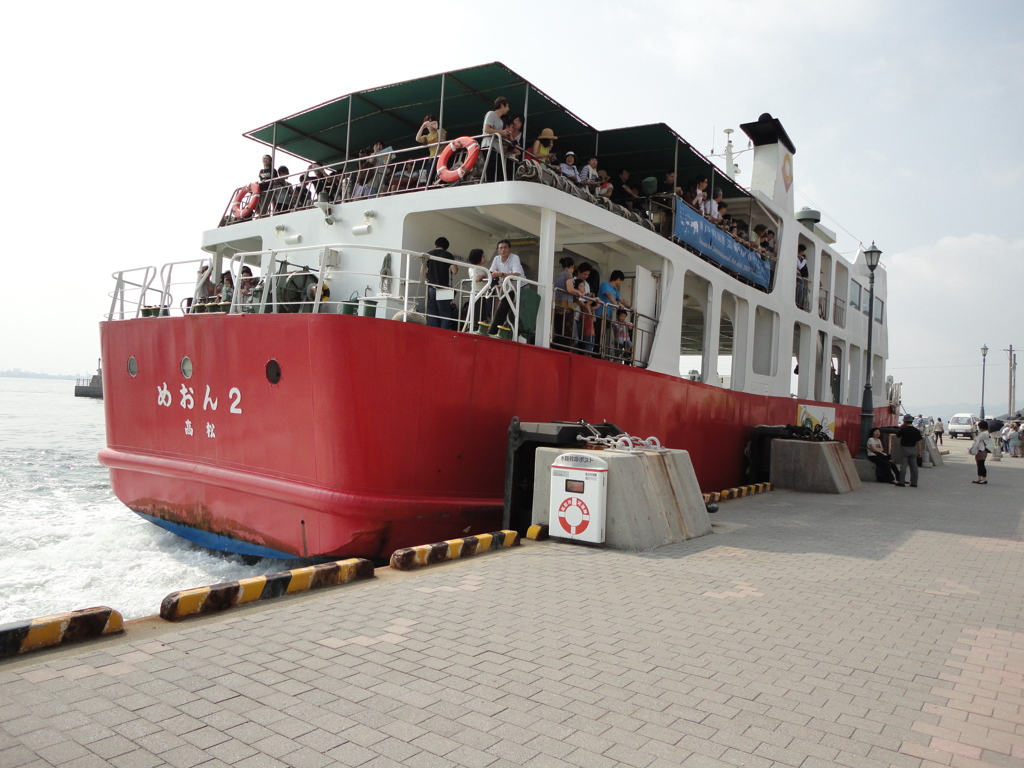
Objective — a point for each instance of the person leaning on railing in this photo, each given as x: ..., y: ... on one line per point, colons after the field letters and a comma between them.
x: 504, y: 264
x: 611, y: 299
x: 564, y: 300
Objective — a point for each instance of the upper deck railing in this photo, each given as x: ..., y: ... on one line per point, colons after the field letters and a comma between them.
x: 508, y: 308
x: 393, y: 172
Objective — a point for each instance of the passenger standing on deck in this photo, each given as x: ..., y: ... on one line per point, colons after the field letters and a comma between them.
x: 494, y: 130
x: 802, y: 275
x: 505, y: 263
x: 983, y: 445
x: 266, y: 176
x: 478, y: 282
x: 909, y: 436
x: 439, y: 310
x: 432, y: 136
x: 564, y: 300
x: 611, y: 299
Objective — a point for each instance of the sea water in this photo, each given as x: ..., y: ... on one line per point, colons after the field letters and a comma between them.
x: 66, y: 542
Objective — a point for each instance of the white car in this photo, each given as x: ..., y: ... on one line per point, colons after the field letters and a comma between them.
x: 963, y: 425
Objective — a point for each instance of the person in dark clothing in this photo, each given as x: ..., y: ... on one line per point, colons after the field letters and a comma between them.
x: 909, y: 436
x: 439, y: 275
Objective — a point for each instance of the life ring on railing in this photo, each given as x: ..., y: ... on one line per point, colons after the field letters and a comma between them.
x: 448, y: 175
x: 238, y: 211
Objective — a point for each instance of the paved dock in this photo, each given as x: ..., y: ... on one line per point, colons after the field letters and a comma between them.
x: 879, y: 628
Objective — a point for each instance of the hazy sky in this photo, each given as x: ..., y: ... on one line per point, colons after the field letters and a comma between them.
x: 124, y: 122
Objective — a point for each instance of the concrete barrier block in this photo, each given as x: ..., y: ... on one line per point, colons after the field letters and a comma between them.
x: 219, y: 597
x: 537, y: 532
x: 865, y: 470
x: 59, y: 629
x: 653, y: 498
x: 453, y: 549
x: 801, y: 465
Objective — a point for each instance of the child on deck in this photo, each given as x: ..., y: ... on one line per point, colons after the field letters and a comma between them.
x: 620, y: 335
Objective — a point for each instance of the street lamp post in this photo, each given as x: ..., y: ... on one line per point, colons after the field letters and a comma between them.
x: 984, y: 354
x: 867, y: 406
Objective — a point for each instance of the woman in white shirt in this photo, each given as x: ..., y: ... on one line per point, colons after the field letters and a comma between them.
x: 887, y: 470
x: 983, y: 445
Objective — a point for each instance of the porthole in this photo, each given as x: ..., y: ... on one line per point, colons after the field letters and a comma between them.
x: 133, y: 366
x: 273, y: 372
x: 186, y: 367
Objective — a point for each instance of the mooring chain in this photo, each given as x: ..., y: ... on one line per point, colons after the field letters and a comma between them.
x: 622, y: 442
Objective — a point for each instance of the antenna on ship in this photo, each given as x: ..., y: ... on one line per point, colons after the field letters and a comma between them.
x: 731, y: 168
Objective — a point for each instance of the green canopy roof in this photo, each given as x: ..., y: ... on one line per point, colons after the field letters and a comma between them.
x: 336, y: 130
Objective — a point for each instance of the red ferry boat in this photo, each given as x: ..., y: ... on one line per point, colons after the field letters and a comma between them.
x: 310, y: 406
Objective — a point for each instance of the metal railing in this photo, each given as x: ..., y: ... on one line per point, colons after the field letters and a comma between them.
x: 285, y: 287
x: 390, y: 172
x: 131, y: 292
x: 387, y: 172
x: 839, y: 312
x: 803, y: 293
x: 579, y: 328
x: 822, y: 303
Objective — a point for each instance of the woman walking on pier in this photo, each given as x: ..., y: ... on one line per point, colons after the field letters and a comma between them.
x: 981, y: 448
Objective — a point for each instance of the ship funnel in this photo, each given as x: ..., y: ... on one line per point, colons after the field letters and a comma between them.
x: 808, y: 217
x: 773, y: 160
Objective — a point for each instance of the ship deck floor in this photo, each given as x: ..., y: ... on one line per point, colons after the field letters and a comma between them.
x: 883, y: 627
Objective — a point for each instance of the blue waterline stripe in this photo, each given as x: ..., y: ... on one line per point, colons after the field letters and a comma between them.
x: 215, y: 541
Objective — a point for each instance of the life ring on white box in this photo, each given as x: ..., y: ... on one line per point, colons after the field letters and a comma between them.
x: 238, y: 211
x: 448, y: 175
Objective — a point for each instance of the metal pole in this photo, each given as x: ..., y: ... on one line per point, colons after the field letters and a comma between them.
x: 1011, y: 410
x: 867, y: 406
x: 273, y: 151
x: 982, y: 414
x: 440, y: 117
x: 348, y: 128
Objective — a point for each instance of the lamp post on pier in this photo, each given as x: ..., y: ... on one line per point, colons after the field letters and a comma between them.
x: 867, y: 406
x: 984, y: 354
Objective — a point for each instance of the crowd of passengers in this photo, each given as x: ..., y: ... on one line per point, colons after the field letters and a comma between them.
x: 278, y: 194
x: 596, y: 324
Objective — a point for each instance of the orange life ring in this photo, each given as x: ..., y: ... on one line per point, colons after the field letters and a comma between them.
x: 448, y: 175
x: 238, y: 211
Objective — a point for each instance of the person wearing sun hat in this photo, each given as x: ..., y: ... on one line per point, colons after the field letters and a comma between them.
x: 568, y: 168
x: 542, y: 147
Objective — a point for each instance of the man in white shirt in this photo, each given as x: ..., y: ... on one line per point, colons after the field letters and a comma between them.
x: 505, y: 263
x: 711, y: 207
x: 493, y: 130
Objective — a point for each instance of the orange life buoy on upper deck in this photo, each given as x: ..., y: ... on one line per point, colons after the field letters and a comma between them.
x: 448, y: 175
x: 238, y: 211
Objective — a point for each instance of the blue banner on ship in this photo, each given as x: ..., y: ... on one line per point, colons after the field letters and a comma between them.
x: 697, y: 232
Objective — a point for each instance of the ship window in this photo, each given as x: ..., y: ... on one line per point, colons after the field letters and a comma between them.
x: 854, y: 294
x: 186, y: 367
x: 133, y: 366
x: 273, y: 372
x: 879, y: 305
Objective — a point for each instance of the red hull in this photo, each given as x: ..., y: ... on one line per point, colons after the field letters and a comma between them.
x: 379, y: 434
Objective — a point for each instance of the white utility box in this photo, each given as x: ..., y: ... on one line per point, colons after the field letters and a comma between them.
x: 578, y: 498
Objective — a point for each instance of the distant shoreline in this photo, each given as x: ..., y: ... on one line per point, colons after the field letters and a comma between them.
x: 31, y: 375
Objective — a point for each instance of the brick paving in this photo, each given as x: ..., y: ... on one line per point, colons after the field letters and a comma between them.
x: 880, y: 628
